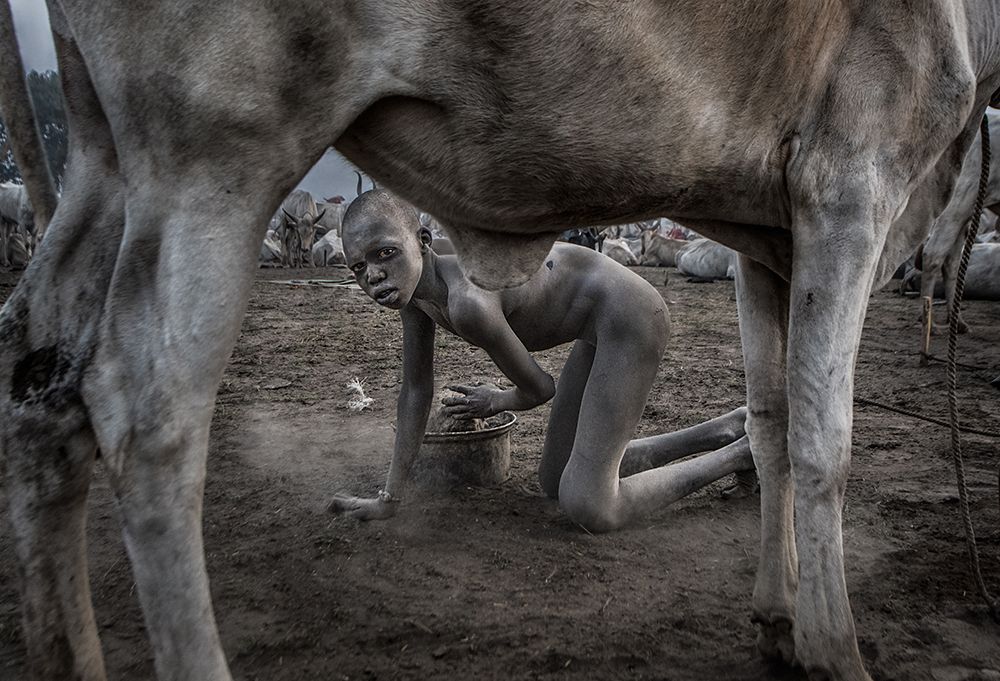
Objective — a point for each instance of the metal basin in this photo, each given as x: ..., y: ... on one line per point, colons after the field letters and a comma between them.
x: 470, y: 457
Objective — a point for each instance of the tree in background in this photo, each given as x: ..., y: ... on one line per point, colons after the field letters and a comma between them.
x: 50, y: 112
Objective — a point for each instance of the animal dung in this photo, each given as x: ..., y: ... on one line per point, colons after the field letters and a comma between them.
x: 441, y: 422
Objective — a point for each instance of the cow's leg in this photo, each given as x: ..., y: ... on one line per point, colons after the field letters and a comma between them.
x: 173, y: 314
x: 48, y: 328
x: 949, y: 275
x: 762, y: 300
x: 839, y: 233
x: 564, y: 417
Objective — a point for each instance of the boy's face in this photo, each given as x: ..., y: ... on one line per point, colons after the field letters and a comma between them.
x: 386, y: 259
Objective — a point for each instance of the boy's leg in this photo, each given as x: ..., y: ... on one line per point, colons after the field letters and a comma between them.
x: 590, y: 491
x: 658, y: 450
x: 564, y: 416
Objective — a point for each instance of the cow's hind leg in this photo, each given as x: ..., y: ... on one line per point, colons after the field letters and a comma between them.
x: 48, y: 328
x: 174, y: 308
x: 762, y: 299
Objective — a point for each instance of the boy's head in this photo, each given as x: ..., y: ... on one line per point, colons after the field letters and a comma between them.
x: 384, y: 245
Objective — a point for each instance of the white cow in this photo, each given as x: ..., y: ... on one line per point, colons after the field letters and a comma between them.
x: 331, y: 215
x: 17, y: 225
x: 619, y: 251
x: 982, y: 278
x: 329, y: 250
x: 271, y: 250
x: 943, y: 249
x: 707, y: 259
x: 818, y: 139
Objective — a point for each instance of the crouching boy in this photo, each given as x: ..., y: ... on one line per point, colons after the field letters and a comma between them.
x: 618, y: 323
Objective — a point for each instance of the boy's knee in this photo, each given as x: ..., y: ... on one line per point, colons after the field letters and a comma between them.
x: 589, y: 512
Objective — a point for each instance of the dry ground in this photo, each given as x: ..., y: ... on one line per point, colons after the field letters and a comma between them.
x: 496, y: 583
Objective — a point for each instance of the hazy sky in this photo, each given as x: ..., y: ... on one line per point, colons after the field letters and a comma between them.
x: 332, y: 175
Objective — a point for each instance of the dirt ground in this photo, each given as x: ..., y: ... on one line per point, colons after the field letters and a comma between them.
x: 497, y: 583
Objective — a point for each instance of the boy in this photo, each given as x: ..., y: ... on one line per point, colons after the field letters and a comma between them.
x: 619, y: 324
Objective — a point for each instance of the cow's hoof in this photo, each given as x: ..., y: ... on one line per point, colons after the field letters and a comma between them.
x: 775, y: 640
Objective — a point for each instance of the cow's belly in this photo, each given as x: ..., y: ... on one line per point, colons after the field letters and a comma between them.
x: 525, y: 178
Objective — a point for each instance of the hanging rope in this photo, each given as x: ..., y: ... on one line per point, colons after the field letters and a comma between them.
x: 956, y: 440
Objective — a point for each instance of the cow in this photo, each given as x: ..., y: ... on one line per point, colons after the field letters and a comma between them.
x: 982, y: 278
x: 587, y: 237
x: 817, y: 139
x: 17, y: 225
x: 331, y: 212
x: 659, y: 250
x: 943, y: 249
x: 298, y: 228
x: 271, y: 250
x: 619, y: 251
x: 328, y: 250
x: 705, y: 259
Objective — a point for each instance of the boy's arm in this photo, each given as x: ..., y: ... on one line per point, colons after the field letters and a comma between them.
x: 485, y: 326
x: 412, y: 409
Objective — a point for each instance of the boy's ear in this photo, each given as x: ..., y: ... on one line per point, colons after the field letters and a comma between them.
x: 425, y: 237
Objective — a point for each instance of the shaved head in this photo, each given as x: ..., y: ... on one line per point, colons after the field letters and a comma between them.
x: 378, y: 205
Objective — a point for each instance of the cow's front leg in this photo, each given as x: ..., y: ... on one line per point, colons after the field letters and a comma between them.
x: 762, y: 300
x: 838, y: 237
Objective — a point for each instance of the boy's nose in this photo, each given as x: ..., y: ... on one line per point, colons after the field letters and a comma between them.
x: 375, y: 275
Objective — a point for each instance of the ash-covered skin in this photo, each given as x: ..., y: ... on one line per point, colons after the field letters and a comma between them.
x: 575, y: 296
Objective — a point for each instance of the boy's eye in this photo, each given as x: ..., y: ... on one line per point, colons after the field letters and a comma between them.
x: 357, y: 269
x: 386, y: 252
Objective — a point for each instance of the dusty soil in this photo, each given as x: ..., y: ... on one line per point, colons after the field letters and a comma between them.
x: 497, y: 583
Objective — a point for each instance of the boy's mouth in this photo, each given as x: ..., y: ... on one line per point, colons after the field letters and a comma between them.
x: 387, y: 297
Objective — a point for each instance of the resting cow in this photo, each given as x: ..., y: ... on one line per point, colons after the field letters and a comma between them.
x: 818, y: 139
x: 706, y: 259
x: 659, y: 250
x: 619, y: 251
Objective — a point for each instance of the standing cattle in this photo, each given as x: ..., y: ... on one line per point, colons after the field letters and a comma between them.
x: 298, y: 228
x: 17, y: 226
x: 331, y: 214
x: 818, y: 139
x: 942, y: 251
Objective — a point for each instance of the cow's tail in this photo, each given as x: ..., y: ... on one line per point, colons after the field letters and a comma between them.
x: 22, y: 132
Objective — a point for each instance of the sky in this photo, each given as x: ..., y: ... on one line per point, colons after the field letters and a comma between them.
x: 330, y: 176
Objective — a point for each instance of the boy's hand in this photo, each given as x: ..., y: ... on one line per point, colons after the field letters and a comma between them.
x: 379, y: 508
x: 477, y: 401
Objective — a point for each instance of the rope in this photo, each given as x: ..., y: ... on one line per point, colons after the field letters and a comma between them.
x: 929, y: 419
x: 956, y: 440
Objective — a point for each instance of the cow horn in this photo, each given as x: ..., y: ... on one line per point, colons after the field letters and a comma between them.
x: 320, y: 216
x: 360, y: 188
x: 289, y: 215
